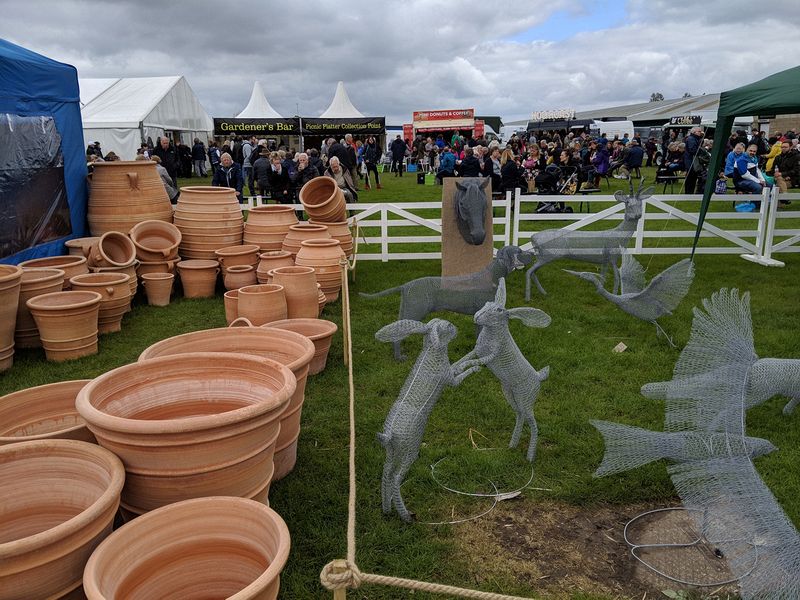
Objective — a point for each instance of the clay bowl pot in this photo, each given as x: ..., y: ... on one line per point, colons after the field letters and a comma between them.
x: 326, y: 257
x: 340, y: 231
x: 129, y: 270
x: 262, y: 303
x: 116, y: 293
x: 10, y: 283
x: 189, y: 426
x: 43, y: 412
x: 193, y: 550
x: 199, y: 277
x: 157, y: 266
x: 71, y: 265
x: 155, y: 240
x: 113, y: 249
x: 231, y: 301
x: 239, y: 276
x: 59, y: 502
x: 272, y: 260
x: 81, y: 246
x: 287, y: 347
x: 318, y: 331
x: 323, y: 200
x: 303, y: 231
x: 67, y: 323
x: 300, y: 287
x: 244, y: 254
x: 158, y: 287
x: 35, y: 282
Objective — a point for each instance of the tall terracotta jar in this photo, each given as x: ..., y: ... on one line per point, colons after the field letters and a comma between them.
x: 116, y: 293
x: 272, y: 260
x: 124, y: 193
x: 340, y: 231
x: 59, y: 502
x: 155, y: 240
x: 10, y: 280
x: 113, y: 249
x: 43, y: 412
x: 193, y: 550
x: 35, y: 282
x: 71, y: 265
x: 326, y: 257
x: 158, y: 287
x: 303, y: 231
x: 231, y: 302
x: 262, y: 303
x: 300, y: 287
x: 268, y: 225
x: 81, y: 246
x: 243, y: 254
x: 319, y: 331
x: 287, y: 347
x: 323, y: 200
x: 189, y: 426
x: 129, y: 270
x: 209, y: 218
x: 67, y: 323
x: 199, y: 277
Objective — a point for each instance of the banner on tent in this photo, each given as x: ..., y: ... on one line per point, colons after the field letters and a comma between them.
x: 364, y: 125
x: 256, y: 126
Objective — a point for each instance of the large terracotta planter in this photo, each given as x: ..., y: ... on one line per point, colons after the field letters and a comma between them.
x: 34, y: 282
x: 194, y: 550
x: 244, y: 254
x: 43, y: 412
x: 287, y: 347
x: 209, y: 218
x: 81, y: 246
x: 129, y: 270
x: 268, y: 225
x: 71, y: 265
x: 155, y: 240
x: 199, y: 277
x: 124, y: 193
x: 272, y: 260
x: 231, y: 302
x: 323, y: 200
x: 262, y: 303
x: 300, y: 287
x: 10, y: 281
x: 326, y: 257
x: 113, y: 249
x: 67, y: 323
x: 239, y: 276
x: 340, y: 231
x: 116, y: 293
x: 158, y: 287
x: 319, y: 331
x: 301, y: 232
x: 198, y: 424
x: 59, y: 502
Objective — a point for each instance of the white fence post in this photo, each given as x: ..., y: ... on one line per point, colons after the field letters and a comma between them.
x: 516, y: 217
x: 638, y: 245
x: 384, y: 234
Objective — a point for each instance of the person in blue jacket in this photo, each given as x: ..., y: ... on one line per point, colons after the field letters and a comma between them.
x: 229, y: 174
x: 447, y: 164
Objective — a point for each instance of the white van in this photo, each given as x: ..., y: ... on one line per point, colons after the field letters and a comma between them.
x: 612, y: 128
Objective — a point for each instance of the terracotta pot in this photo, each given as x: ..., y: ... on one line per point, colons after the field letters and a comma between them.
x: 193, y: 550
x: 209, y: 218
x: 113, y: 249
x: 81, y: 246
x: 240, y: 322
x: 287, y: 347
x: 157, y: 266
x: 71, y: 265
x: 231, y: 301
x: 198, y: 424
x: 43, y: 412
x: 326, y: 257
x: 129, y: 270
x: 59, y: 502
x: 304, y: 231
x: 34, y: 282
x: 268, y: 225
x: 321, y: 299
x: 67, y: 323
x: 318, y: 331
x: 262, y: 303
x: 272, y: 260
x: 340, y: 231
x: 300, y: 287
x: 199, y: 277
x: 155, y: 240
x: 323, y: 200
x: 116, y: 293
x: 239, y: 276
x: 232, y: 256
x: 10, y: 281
x: 158, y: 287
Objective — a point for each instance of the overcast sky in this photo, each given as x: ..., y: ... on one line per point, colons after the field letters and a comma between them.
x: 501, y: 58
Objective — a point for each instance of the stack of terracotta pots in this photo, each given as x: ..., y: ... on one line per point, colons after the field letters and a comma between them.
x: 116, y: 297
x: 67, y: 323
x: 301, y: 232
x: 323, y: 200
x: 115, y: 253
x: 267, y: 225
x: 209, y: 218
x: 71, y: 265
x: 326, y: 258
x: 10, y: 281
x: 35, y: 282
x: 156, y: 245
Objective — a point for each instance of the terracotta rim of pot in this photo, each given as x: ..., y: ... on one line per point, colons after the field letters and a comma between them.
x: 175, y: 238
x: 155, y: 276
x: 292, y: 270
x: 9, y: 398
x: 14, y: 272
x: 124, y: 239
x: 68, y: 260
x: 326, y: 327
x: 271, y: 208
x: 321, y: 182
x: 197, y: 263
x: 239, y: 269
x: 46, y: 275
x: 320, y: 243
x: 90, y: 279
x: 197, y: 362
x: 261, y: 288
x: 274, y: 254
x: 83, y: 519
x: 134, y: 263
x: 238, y: 250
x: 80, y: 298
x: 211, y: 191
x: 309, y: 227
x: 124, y: 163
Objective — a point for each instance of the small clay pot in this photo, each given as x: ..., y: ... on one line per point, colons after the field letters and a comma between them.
x: 246, y: 254
x: 262, y: 303
x: 71, y: 265
x: 318, y: 331
x: 326, y: 257
x: 113, y: 249
x: 300, y: 287
x: 157, y: 266
x: 323, y: 200
x: 267, y: 225
x: 67, y: 323
x: 303, y: 231
x: 239, y: 276
x: 199, y: 277
x: 35, y: 282
x: 129, y: 269
x: 116, y: 293
x: 10, y: 282
x: 272, y: 260
x: 81, y: 246
x: 231, y: 301
x: 158, y: 287
x: 155, y: 240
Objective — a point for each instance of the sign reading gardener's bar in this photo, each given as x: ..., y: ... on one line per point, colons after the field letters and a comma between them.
x: 365, y: 125
x: 256, y: 127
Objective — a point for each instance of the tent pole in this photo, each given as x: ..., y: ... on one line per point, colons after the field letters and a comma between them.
x: 302, y: 140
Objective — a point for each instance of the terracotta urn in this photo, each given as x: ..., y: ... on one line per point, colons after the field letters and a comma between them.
x: 81, y: 246
x: 321, y: 299
x: 59, y: 502
x: 262, y: 303
x: 198, y: 277
x: 318, y: 331
x: 35, y: 282
x: 67, y: 323
x: 10, y: 282
x: 231, y: 302
x: 129, y: 270
x: 209, y: 218
x: 326, y: 257
x: 116, y: 293
x: 43, y: 412
x: 303, y: 231
x: 198, y: 549
x: 340, y: 231
x: 245, y: 254
x: 323, y: 200
x: 156, y: 266
x: 155, y: 240
x: 190, y: 425
x: 239, y: 276
x: 300, y: 287
x: 268, y: 225
x: 271, y: 260
x: 113, y: 249
x: 158, y: 287
x: 287, y: 347
x: 71, y: 265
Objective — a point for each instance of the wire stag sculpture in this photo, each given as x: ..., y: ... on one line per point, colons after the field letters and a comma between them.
x: 597, y: 247
x: 405, y: 424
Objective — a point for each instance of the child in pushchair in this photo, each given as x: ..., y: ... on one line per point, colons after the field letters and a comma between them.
x: 553, y: 181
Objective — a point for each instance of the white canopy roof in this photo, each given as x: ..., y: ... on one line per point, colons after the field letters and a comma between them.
x: 92, y: 88
x: 258, y: 107
x: 341, y: 107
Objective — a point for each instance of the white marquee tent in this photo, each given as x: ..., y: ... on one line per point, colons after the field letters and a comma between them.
x: 341, y: 107
x: 258, y: 107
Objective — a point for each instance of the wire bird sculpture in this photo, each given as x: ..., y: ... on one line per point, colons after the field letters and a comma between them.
x: 496, y: 349
x: 406, y: 421
x: 597, y: 247
x: 646, y: 302
x: 713, y: 471
x: 463, y: 294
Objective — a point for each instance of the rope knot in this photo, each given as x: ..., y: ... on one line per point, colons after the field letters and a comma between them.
x: 340, y: 574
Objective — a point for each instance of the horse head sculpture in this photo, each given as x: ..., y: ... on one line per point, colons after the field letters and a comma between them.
x: 470, y: 203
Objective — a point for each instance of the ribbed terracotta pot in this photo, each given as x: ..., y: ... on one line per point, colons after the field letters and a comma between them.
x: 268, y: 225
x: 189, y: 426
x: 340, y: 231
x: 67, y: 323
x: 129, y: 270
x: 71, y: 265
x: 158, y: 287
x: 34, y: 282
x: 43, y: 412
x: 116, y: 293
x: 326, y: 257
x: 81, y: 246
x: 113, y: 249
x: 272, y: 260
x: 155, y: 240
x: 239, y: 276
x: 193, y: 550
x: 209, y: 218
x: 10, y: 282
x: 244, y: 254
x: 231, y: 302
x: 300, y: 287
x: 262, y: 303
x: 321, y: 300
x: 156, y: 266
x: 323, y: 200
x: 287, y: 347
x: 301, y: 232
x: 198, y: 277
x: 59, y: 502
x: 319, y: 331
